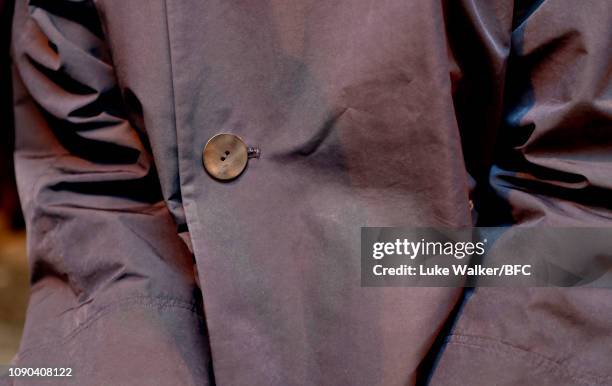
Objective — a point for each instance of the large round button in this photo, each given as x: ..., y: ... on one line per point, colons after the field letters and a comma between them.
x: 225, y: 156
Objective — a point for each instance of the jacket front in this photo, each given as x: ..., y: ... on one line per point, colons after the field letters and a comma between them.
x: 146, y: 269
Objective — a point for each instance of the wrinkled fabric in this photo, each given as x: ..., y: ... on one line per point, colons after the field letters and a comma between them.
x: 388, y: 113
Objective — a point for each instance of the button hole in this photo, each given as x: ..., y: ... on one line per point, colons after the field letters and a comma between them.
x: 227, y: 152
x: 222, y: 158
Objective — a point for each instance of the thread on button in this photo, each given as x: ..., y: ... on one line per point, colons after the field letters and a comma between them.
x: 253, y: 152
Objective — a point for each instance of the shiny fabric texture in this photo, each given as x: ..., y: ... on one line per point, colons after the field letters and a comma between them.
x: 387, y: 113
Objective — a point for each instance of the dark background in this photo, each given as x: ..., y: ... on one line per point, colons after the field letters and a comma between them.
x: 13, y: 262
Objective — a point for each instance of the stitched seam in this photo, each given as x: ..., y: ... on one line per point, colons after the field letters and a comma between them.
x: 192, y: 222
x: 174, y: 119
x: 160, y: 302
x: 505, y: 348
x: 171, y: 73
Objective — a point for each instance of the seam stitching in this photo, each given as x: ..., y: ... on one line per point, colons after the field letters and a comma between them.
x: 501, y: 347
x: 160, y: 302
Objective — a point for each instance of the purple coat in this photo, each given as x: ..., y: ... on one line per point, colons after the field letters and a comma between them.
x: 146, y: 269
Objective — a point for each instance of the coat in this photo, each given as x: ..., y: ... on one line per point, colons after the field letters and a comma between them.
x: 150, y: 267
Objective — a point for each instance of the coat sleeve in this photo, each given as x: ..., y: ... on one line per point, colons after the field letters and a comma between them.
x: 547, y: 164
x: 113, y: 292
